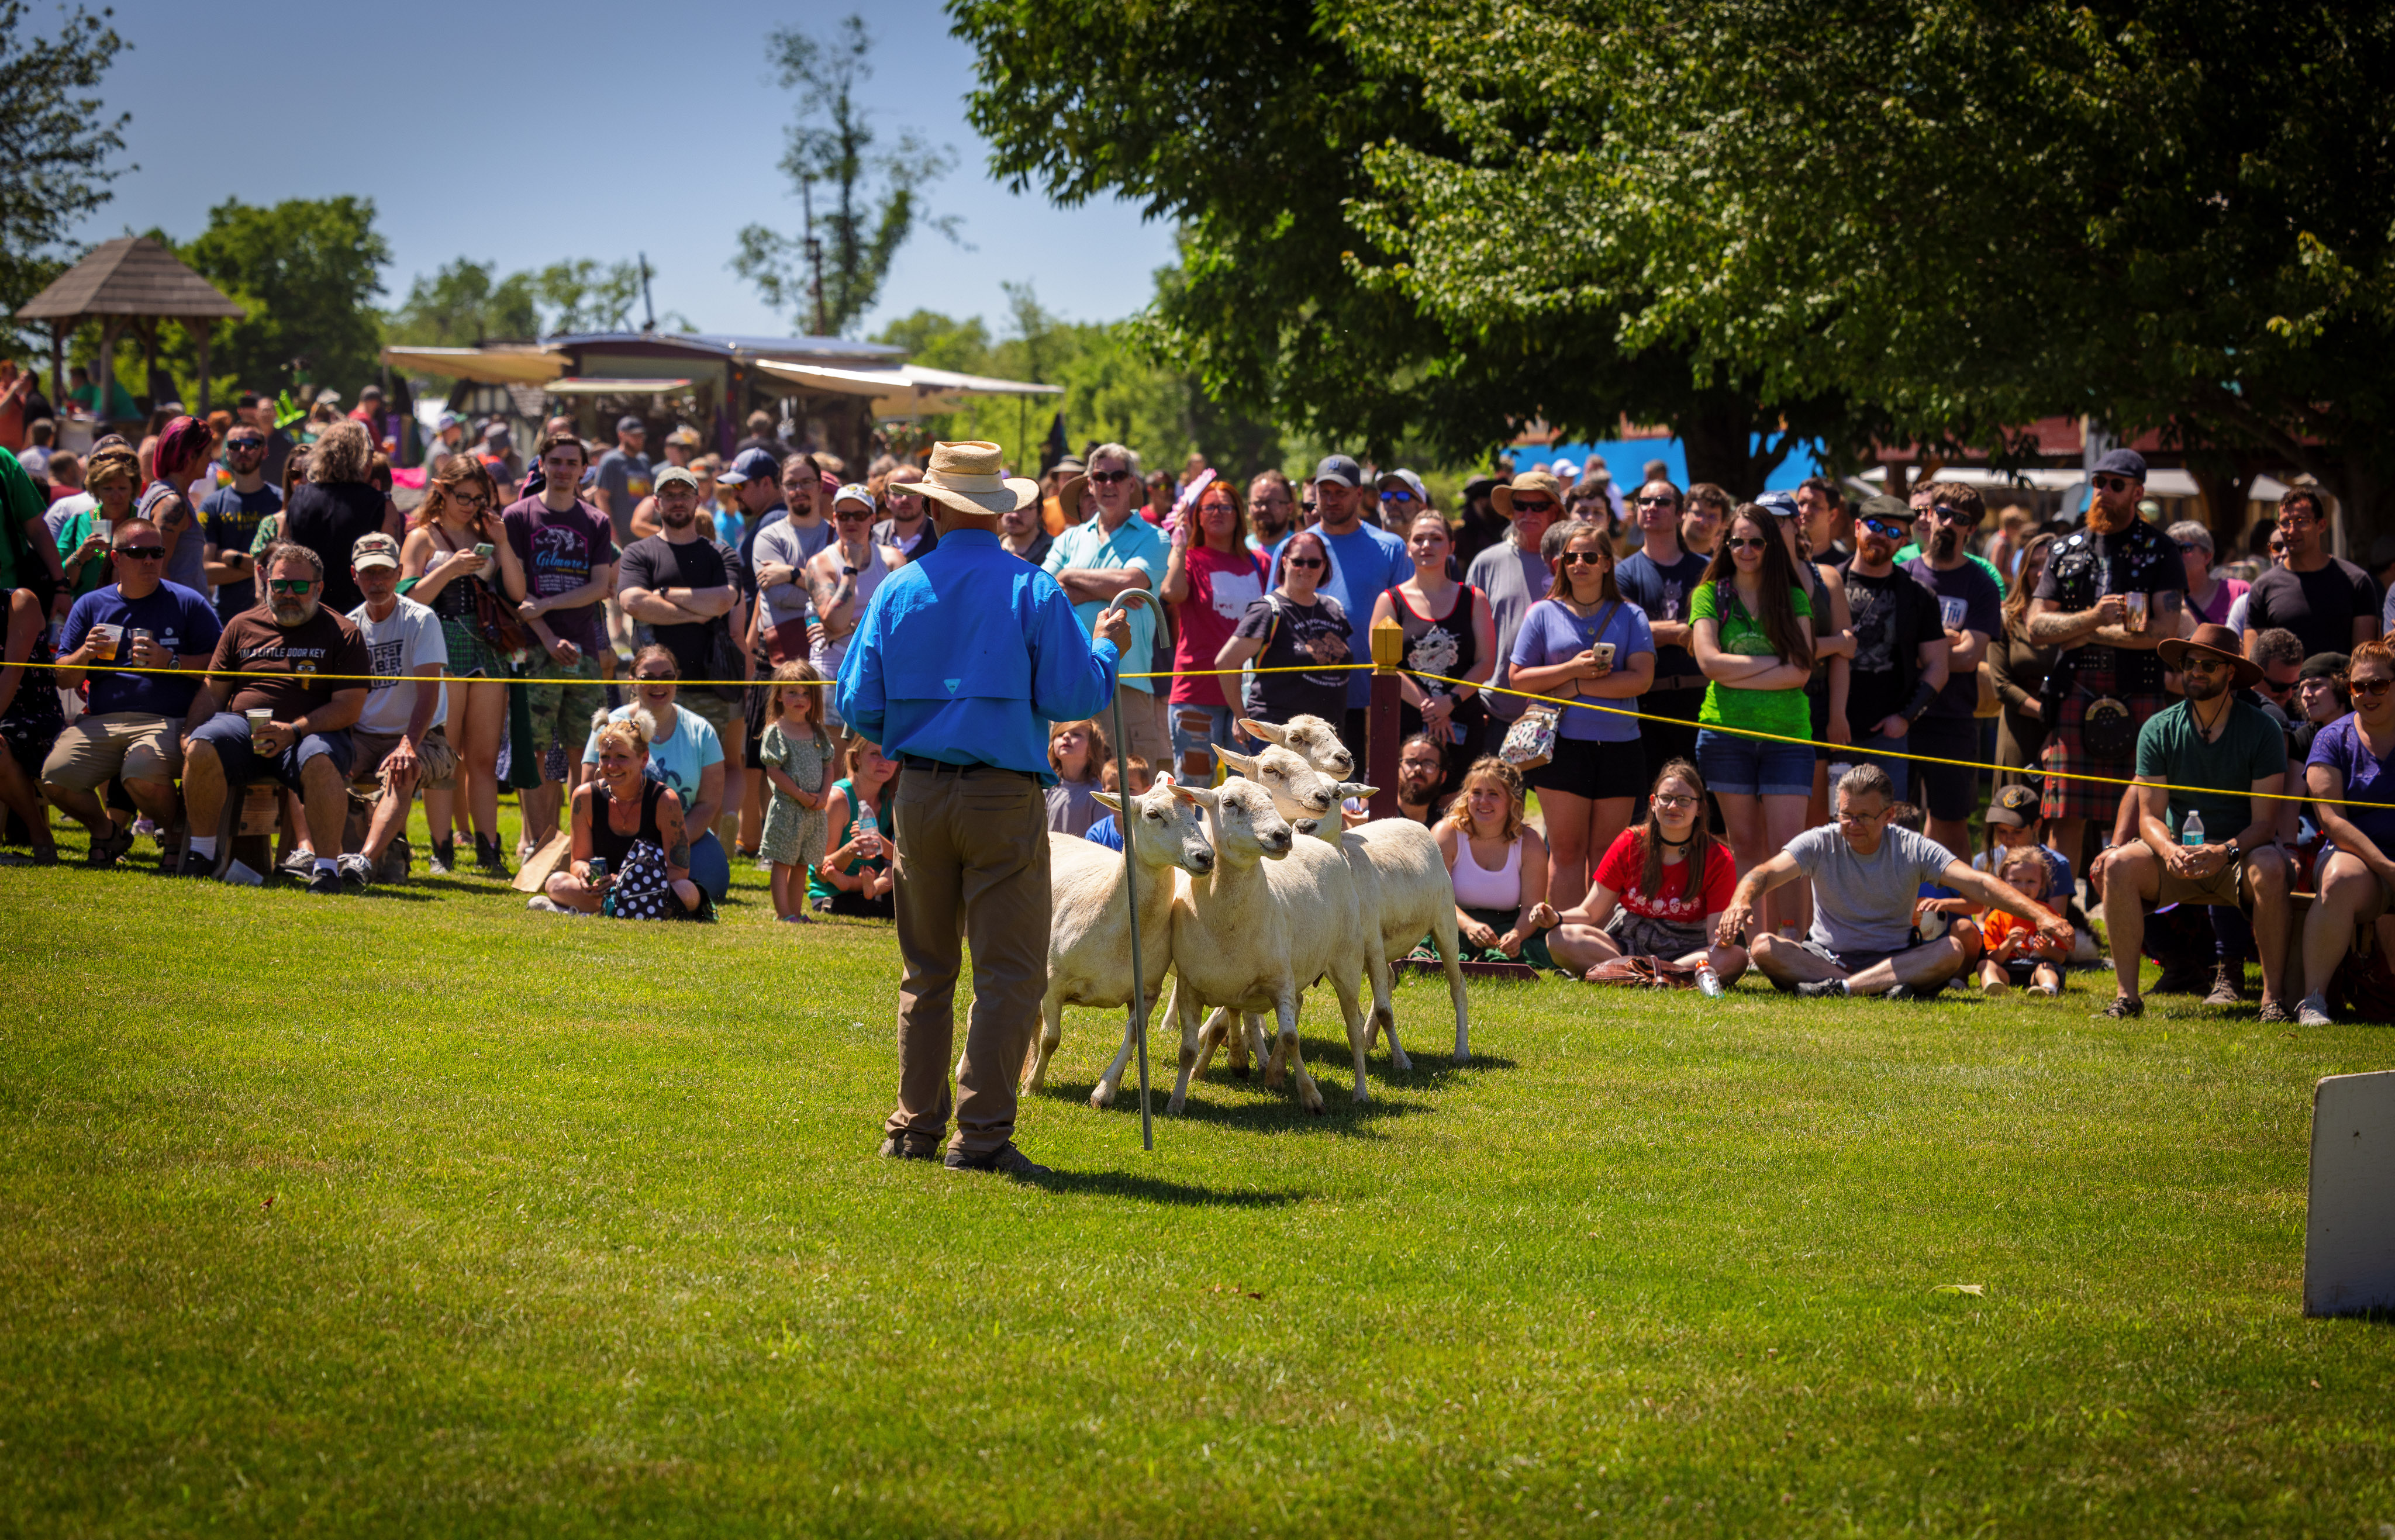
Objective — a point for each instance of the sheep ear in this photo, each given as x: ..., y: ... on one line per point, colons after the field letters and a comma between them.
x: 1356, y: 788
x: 1199, y: 797
x: 1108, y: 800
x: 1264, y: 732
x: 1236, y: 760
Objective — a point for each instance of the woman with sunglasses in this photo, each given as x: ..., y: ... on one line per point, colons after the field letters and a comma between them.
x: 1585, y: 642
x: 1753, y: 639
x: 685, y: 753
x: 110, y: 479
x: 2352, y: 769
x: 442, y: 566
x: 1449, y: 633
x: 1210, y: 577
x: 1294, y: 625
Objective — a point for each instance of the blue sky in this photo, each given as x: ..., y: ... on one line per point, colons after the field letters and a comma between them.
x: 449, y: 114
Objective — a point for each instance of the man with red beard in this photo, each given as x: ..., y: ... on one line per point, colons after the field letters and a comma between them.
x: 2111, y: 595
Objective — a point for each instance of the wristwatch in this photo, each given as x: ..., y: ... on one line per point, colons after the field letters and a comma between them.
x: 848, y: 571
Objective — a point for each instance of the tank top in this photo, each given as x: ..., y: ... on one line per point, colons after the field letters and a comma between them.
x: 835, y: 838
x: 1442, y: 644
x: 189, y: 565
x: 606, y: 841
x: 1479, y: 888
x: 869, y: 578
x: 455, y: 600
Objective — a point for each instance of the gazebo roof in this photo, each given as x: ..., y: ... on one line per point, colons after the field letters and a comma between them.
x: 131, y: 276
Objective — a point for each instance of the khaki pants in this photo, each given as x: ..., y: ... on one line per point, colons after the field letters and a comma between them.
x: 1143, y: 726
x: 973, y: 859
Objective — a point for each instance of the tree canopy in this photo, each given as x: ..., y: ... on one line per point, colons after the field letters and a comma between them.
x: 307, y: 270
x: 58, y: 147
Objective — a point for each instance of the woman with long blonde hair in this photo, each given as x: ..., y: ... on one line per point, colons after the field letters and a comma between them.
x: 454, y: 553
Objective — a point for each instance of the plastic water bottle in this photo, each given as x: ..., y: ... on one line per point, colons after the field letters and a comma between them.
x: 866, y: 822
x: 2190, y: 830
x: 1709, y: 983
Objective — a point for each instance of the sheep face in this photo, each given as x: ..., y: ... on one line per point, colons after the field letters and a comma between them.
x: 1247, y: 827
x: 1299, y: 790
x: 1166, y: 827
x: 1310, y: 738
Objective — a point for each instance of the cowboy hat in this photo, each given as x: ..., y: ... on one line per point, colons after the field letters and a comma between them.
x: 1501, y: 498
x: 2213, y: 642
x: 965, y: 477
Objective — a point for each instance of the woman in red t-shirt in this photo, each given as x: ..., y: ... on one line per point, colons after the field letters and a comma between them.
x: 1643, y: 902
x: 1210, y: 581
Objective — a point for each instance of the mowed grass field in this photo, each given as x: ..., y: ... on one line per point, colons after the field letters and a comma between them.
x: 419, y: 1214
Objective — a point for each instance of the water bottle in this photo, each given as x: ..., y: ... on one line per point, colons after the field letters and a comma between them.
x: 1709, y: 983
x: 2191, y: 829
x: 866, y: 824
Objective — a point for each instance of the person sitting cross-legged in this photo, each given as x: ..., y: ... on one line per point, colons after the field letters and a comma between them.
x: 302, y: 668
x: 2209, y: 770
x: 1660, y: 890
x: 1498, y: 865
x: 632, y: 822
x: 2019, y: 952
x: 2352, y: 769
x: 1865, y: 876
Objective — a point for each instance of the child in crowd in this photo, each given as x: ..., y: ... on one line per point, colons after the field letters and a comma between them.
x: 1143, y: 777
x: 794, y: 753
x: 2015, y: 953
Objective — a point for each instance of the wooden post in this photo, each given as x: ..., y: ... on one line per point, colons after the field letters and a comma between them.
x: 1382, y: 721
x: 206, y: 327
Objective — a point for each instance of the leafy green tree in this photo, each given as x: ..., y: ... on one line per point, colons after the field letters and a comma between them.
x: 873, y: 199
x: 464, y: 303
x: 307, y: 271
x: 58, y: 147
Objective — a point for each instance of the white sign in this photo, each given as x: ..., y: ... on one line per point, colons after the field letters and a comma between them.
x: 2349, y: 1230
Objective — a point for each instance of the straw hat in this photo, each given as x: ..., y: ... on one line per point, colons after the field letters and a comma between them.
x: 965, y: 477
x: 1501, y: 498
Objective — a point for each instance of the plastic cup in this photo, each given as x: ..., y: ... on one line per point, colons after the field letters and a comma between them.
x: 258, y: 717
x: 105, y: 640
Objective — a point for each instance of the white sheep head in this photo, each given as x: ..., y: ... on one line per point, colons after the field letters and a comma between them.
x: 1308, y: 736
x: 1298, y: 789
x: 1165, y: 826
x: 1247, y: 827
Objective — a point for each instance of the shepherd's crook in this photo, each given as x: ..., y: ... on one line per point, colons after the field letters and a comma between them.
x: 1131, y: 892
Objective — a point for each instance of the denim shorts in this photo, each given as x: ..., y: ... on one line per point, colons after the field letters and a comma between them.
x: 1195, y: 728
x: 1736, y: 765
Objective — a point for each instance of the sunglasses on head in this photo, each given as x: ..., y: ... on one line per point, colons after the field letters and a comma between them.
x: 294, y: 586
x: 2116, y: 483
x: 142, y: 553
x: 1108, y: 478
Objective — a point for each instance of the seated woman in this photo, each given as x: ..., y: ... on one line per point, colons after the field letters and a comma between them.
x: 1500, y: 868
x: 633, y: 823
x: 685, y: 753
x: 1659, y: 890
x: 2015, y: 953
x: 2353, y: 764
x: 855, y: 877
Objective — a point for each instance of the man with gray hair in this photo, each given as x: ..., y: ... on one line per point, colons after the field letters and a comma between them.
x: 1097, y: 562
x: 1865, y: 872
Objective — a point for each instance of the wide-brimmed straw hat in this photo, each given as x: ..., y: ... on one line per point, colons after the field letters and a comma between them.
x: 2213, y: 642
x: 966, y: 477
x: 1501, y: 498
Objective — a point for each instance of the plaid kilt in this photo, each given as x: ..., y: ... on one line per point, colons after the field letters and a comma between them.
x: 2064, y: 756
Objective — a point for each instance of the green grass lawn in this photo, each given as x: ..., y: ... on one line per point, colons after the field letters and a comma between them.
x: 421, y: 1214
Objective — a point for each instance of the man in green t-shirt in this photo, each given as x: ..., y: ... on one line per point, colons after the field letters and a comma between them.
x: 2208, y: 770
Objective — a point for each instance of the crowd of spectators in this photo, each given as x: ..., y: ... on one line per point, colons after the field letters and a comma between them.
x: 1773, y: 722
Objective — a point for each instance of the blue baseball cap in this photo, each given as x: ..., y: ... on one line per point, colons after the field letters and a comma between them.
x: 750, y: 464
x: 1779, y: 505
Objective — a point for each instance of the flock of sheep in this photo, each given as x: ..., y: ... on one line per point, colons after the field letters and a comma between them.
x: 1250, y: 893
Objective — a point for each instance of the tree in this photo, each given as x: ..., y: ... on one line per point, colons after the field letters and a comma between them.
x: 827, y: 280
x: 307, y: 271
x: 465, y: 303
x: 580, y: 295
x: 56, y: 147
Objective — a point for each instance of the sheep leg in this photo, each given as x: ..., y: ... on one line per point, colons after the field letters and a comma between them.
x: 1209, y: 1037
x: 1384, y: 1011
x: 1250, y: 1029
x: 1102, y: 1095
x: 1051, y: 1032
x: 1359, y: 1020
x: 1275, y: 1061
x: 1450, y: 956
x: 1309, y: 1095
x: 1187, y: 1004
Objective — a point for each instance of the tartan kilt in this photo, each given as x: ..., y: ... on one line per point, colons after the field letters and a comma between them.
x: 2066, y: 755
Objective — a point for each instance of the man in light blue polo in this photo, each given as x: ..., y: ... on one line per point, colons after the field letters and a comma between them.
x: 964, y: 658
x: 1097, y: 561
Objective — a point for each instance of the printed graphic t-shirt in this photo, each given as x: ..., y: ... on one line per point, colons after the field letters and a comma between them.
x: 559, y: 551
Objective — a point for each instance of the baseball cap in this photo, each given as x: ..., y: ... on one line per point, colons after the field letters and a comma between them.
x: 673, y: 474
x: 751, y: 465
x: 495, y: 434
x: 1340, y: 469
x: 629, y: 424
x: 2015, y: 808
x: 1563, y: 470
x: 448, y: 420
x: 1391, y: 480
x: 375, y: 550
x: 2123, y: 462
x: 853, y: 493
x: 1779, y: 505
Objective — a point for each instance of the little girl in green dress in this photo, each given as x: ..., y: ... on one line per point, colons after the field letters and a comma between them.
x: 795, y: 754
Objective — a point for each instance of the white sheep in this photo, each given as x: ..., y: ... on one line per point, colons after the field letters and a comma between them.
x: 1411, y: 887
x: 1277, y: 913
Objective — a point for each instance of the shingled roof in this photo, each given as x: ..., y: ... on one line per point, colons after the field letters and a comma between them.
x: 133, y: 276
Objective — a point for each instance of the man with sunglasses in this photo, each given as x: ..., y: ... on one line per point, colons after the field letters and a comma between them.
x: 1660, y: 577
x: 304, y: 667
x: 1514, y: 575
x: 2106, y: 661
x: 128, y: 732
x: 1096, y: 562
x: 2216, y: 758
x: 1366, y: 561
x: 1900, y: 661
x: 842, y: 576
x: 230, y: 516
x: 2324, y: 599
x: 1402, y: 495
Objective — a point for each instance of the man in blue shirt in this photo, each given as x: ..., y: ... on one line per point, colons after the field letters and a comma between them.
x: 1098, y: 559
x: 963, y: 657
x: 1366, y: 561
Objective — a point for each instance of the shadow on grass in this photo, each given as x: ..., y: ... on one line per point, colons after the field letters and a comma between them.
x: 1124, y: 1184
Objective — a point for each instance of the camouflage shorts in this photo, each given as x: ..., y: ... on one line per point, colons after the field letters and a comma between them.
x: 562, y: 701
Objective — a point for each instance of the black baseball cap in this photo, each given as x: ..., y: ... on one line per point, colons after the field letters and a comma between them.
x: 2123, y: 462
x: 1340, y: 469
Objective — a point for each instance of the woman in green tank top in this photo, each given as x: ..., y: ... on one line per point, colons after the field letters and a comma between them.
x: 854, y: 876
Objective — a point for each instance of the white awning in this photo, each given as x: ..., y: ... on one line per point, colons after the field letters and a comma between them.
x: 500, y: 365
x: 595, y: 385
x: 2160, y: 481
x: 908, y: 391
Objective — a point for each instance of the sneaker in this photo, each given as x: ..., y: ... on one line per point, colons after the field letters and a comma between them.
x: 1902, y: 991
x: 1006, y: 1158
x: 2050, y: 991
x: 145, y: 827
x: 2276, y: 1014
x: 2227, y: 985
x: 355, y: 871
x: 916, y: 1147
x: 2123, y: 1008
x: 442, y: 856
x: 325, y: 882
x: 109, y: 850
x: 194, y: 864
x: 299, y: 865
x: 1824, y: 989
x: 541, y: 904
x: 2312, y: 1013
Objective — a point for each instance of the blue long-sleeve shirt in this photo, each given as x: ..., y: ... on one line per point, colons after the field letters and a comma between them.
x: 965, y: 656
